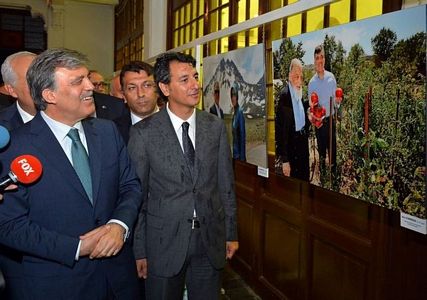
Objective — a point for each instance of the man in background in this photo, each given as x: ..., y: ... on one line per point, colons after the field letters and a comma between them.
x: 139, y: 90
x: 14, y: 71
x: 98, y: 81
x: 187, y: 225
x: 69, y: 230
x: 115, y: 87
x: 292, y: 127
x: 215, y: 108
x: 106, y: 106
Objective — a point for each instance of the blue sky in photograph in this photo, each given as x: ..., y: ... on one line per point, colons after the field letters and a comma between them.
x: 404, y: 23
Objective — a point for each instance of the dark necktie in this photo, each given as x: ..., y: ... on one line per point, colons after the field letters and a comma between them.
x: 80, y: 161
x: 187, y: 145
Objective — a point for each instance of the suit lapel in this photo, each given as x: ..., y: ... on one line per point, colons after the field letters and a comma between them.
x: 46, y: 143
x: 202, y: 139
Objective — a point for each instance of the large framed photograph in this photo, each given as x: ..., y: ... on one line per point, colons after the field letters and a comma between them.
x: 234, y: 89
x: 362, y: 119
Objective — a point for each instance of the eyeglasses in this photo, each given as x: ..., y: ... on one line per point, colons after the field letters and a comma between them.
x: 98, y: 84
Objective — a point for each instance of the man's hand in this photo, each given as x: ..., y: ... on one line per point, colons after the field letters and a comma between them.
x: 10, y: 187
x: 90, y: 239
x: 286, y: 169
x: 231, y: 248
x: 110, y: 243
x: 141, y: 267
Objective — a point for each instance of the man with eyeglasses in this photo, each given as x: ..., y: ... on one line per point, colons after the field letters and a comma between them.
x: 215, y: 108
x: 98, y: 81
x: 139, y: 91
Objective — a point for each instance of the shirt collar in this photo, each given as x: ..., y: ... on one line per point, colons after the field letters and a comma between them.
x: 60, y: 130
x: 26, y: 117
x: 177, y: 121
x: 135, y: 118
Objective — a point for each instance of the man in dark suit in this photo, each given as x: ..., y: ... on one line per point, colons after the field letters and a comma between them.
x: 215, y: 108
x: 140, y: 93
x: 109, y: 107
x: 5, y: 99
x: 106, y: 106
x: 69, y: 230
x: 14, y: 70
x: 187, y: 224
x: 292, y: 127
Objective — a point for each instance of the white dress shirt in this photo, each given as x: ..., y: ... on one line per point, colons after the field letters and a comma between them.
x: 177, y: 125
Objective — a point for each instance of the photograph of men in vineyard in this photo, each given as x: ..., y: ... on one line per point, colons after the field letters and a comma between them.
x: 376, y: 110
x: 239, y: 77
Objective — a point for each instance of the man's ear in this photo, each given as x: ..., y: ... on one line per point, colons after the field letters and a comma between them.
x: 164, y: 88
x: 49, y: 96
x: 10, y: 90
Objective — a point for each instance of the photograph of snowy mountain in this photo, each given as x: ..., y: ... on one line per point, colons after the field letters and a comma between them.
x: 245, y: 70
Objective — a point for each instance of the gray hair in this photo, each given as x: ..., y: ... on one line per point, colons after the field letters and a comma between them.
x: 295, y: 62
x: 41, y: 74
x: 7, y: 72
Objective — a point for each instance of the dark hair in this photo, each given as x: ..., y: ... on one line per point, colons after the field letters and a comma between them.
x: 162, y: 67
x: 136, y: 66
x: 41, y: 73
x: 235, y: 91
x: 319, y: 49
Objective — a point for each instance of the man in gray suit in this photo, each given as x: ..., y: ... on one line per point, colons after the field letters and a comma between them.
x: 187, y: 224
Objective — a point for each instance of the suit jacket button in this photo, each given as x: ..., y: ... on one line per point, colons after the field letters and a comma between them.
x: 97, y: 221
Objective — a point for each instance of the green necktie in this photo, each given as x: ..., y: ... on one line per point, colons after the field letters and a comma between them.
x: 80, y: 161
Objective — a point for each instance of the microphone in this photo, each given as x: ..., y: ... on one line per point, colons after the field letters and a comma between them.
x: 4, y: 137
x: 25, y: 169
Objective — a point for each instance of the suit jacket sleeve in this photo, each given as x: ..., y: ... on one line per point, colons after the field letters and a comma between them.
x: 141, y: 162
x: 282, y: 127
x: 129, y: 200
x: 18, y: 232
x: 226, y: 186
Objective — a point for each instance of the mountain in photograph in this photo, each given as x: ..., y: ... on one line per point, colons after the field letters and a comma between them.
x: 251, y: 96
